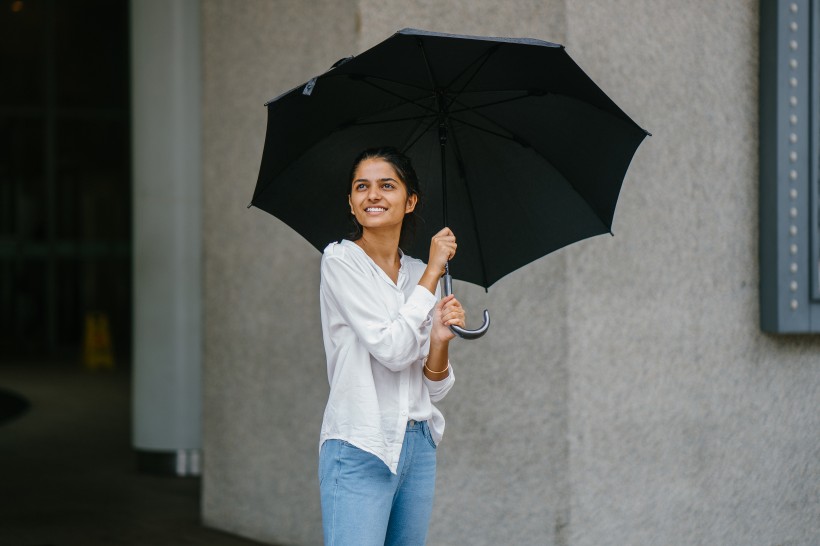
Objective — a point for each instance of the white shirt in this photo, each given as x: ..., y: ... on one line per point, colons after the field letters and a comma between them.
x: 376, y: 335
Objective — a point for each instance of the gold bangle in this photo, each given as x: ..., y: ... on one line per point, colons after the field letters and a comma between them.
x: 435, y: 372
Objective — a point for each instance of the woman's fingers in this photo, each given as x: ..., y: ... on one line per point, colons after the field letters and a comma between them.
x: 448, y: 312
x: 457, y: 320
x: 452, y: 313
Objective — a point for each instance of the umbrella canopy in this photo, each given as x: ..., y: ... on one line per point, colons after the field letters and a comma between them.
x: 517, y: 150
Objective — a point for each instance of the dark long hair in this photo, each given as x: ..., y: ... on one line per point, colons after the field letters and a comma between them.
x: 407, y: 174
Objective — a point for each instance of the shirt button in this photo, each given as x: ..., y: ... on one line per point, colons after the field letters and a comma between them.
x: 404, y: 414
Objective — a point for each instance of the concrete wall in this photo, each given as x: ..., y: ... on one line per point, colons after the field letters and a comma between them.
x: 687, y: 424
x: 624, y: 395
x: 264, y: 382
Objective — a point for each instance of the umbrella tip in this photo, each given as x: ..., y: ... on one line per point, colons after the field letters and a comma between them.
x: 341, y: 61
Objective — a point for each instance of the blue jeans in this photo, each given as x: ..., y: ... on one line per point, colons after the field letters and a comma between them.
x: 364, y: 504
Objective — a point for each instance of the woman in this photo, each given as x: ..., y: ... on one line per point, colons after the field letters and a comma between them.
x: 386, y: 341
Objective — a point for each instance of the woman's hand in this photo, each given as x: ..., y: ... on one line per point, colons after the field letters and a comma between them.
x: 442, y: 249
x: 448, y: 312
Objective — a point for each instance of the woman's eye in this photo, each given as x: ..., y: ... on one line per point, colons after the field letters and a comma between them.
x: 388, y: 186
x: 360, y: 186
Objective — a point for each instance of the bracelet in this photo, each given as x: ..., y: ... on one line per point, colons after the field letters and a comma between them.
x: 436, y: 372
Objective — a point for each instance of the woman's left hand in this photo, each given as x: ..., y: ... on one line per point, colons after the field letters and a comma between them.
x: 448, y: 312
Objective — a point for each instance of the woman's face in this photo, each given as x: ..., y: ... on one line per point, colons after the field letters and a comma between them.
x: 378, y: 198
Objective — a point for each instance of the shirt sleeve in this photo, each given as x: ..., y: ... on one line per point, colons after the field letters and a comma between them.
x: 393, y: 342
x: 439, y: 389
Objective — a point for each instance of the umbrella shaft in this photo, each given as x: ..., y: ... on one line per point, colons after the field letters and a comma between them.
x: 448, y: 284
x: 442, y: 138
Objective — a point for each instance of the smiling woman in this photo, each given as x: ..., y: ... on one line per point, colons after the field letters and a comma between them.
x: 384, y: 173
x: 386, y: 339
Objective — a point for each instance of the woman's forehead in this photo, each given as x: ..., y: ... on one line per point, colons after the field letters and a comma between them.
x: 376, y: 169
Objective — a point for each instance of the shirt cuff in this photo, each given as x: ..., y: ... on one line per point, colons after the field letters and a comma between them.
x: 438, y: 389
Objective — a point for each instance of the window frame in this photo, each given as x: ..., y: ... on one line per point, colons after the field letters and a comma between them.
x: 789, y: 156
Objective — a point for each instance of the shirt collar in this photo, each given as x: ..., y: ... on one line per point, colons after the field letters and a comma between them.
x: 402, y: 257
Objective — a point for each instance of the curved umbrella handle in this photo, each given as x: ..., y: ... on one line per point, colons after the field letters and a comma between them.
x: 457, y: 330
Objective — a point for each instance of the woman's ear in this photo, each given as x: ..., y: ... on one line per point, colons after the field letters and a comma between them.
x: 349, y: 202
x: 411, y: 203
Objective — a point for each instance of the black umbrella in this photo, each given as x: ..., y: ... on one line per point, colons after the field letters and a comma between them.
x: 518, y: 151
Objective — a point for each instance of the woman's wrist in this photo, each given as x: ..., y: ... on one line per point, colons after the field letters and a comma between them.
x: 438, y: 374
x: 429, y: 280
x: 438, y: 346
x: 437, y: 363
x: 443, y: 341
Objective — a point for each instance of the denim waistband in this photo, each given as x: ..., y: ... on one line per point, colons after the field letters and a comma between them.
x: 412, y: 424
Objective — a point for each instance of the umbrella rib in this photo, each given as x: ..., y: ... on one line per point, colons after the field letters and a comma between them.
x: 365, y: 77
x: 432, y: 111
x: 512, y: 136
x: 530, y: 93
x: 420, y: 43
x: 488, y: 131
x: 484, y: 117
x: 421, y: 134
x: 483, y: 58
x: 493, y: 103
x: 392, y: 120
x: 406, y: 100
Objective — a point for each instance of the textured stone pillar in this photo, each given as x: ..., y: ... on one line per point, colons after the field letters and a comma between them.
x: 503, y: 462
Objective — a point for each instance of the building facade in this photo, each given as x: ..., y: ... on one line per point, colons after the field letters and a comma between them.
x: 626, y: 393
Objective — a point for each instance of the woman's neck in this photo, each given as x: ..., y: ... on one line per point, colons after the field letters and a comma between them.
x: 382, y: 249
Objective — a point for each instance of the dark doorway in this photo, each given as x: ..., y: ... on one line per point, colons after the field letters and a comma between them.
x: 65, y: 183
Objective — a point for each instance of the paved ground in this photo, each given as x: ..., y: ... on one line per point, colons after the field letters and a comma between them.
x: 67, y: 473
